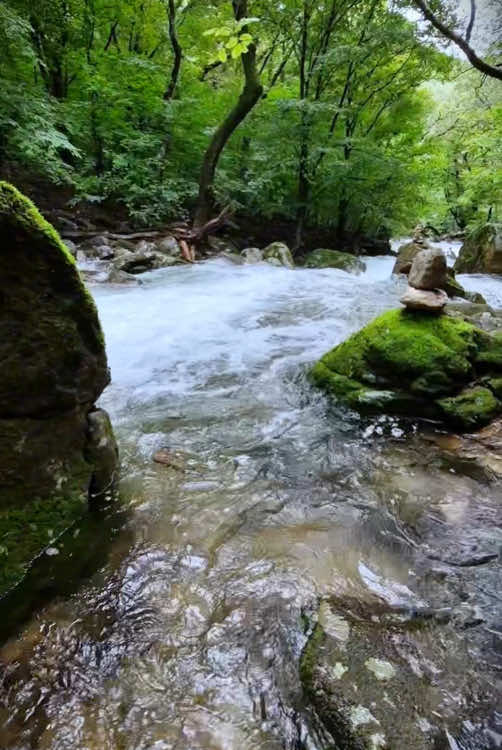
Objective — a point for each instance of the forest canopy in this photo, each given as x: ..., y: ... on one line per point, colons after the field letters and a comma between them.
x: 348, y: 114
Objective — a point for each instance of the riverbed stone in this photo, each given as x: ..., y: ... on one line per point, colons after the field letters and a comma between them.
x: 142, y: 261
x: 278, y: 253
x: 386, y: 685
x: 428, y: 270
x: 427, y: 301
x: 407, y: 253
x: 168, y: 245
x: 416, y: 364
x: 54, y: 369
x: 324, y: 258
x: 481, y: 251
x: 252, y: 255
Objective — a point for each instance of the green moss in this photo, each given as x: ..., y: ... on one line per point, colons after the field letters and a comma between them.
x: 431, y: 353
x: 310, y: 658
x: 14, y: 203
x: 417, y: 364
x: 473, y: 407
x: 19, y: 213
x: 359, y: 396
x: 495, y: 385
x: 333, y: 382
x: 334, y: 259
x: 27, y: 530
x: 489, y: 352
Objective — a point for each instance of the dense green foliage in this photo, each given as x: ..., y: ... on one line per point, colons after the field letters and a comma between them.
x: 120, y: 99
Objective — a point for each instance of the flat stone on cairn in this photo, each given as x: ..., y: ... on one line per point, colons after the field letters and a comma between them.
x: 427, y: 278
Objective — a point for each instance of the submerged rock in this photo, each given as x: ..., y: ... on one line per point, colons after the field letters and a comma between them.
x: 481, y: 251
x: 387, y: 683
x: 416, y: 364
x: 54, y: 369
x: 322, y: 258
x: 278, y: 253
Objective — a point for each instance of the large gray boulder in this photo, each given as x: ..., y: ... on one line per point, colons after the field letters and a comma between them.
x: 278, y: 253
x: 54, y: 368
x: 429, y: 270
x: 481, y: 251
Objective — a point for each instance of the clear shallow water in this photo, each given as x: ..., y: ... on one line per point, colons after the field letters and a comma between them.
x: 189, y: 637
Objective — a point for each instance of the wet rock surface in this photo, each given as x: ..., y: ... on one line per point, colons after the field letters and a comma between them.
x: 481, y: 251
x: 54, y: 368
x: 333, y: 259
x: 278, y: 253
x: 289, y: 510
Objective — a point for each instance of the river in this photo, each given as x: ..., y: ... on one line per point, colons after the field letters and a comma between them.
x: 189, y: 635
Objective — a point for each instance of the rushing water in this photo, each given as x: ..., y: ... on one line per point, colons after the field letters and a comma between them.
x: 189, y: 637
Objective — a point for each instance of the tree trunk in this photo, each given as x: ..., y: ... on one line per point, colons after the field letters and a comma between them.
x: 303, y: 181
x: 249, y: 97
x: 177, y: 51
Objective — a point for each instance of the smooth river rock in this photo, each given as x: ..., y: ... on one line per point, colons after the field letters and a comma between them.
x: 429, y: 270
x: 427, y: 301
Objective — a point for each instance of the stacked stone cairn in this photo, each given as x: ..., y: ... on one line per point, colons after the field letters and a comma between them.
x: 426, y: 281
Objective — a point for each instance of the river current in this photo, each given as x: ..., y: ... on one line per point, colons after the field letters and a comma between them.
x: 189, y: 635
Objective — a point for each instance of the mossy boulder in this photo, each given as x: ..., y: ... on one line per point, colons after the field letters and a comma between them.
x: 323, y: 258
x: 481, y: 251
x: 54, y: 368
x: 278, y: 254
x: 416, y: 364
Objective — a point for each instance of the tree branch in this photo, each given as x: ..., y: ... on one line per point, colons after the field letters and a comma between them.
x: 178, y: 53
x: 463, y: 44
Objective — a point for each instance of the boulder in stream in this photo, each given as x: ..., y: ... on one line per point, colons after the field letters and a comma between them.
x: 481, y: 251
x: 407, y: 254
x: 52, y: 448
x: 279, y: 254
x: 428, y: 270
x: 417, y: 364
x: 323, y: 258
x: 252, y: 255
x: 379, y: 677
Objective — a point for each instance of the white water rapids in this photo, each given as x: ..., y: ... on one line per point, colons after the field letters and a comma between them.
x: 189, y: 637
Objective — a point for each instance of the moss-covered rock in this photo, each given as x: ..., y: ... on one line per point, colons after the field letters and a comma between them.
x: 473, y: 407
x: 54, y: 368
x: 278, y: 254
x: 322, y: 258
x: 417, y: 364
x: 481, y: 251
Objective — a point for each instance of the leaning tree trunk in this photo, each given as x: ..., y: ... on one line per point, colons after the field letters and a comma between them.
x: 249, y: 97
